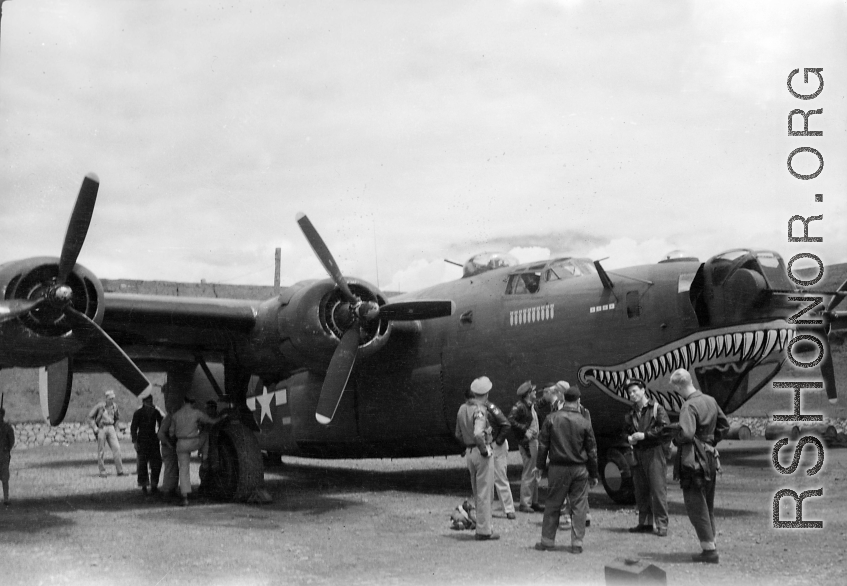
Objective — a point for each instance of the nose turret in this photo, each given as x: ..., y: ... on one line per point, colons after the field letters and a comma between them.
x: 737, y: 287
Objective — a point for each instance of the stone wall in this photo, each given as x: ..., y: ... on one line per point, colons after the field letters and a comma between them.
x: 32, y: 435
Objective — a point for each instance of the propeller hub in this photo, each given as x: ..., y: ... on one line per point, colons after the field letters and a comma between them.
x: 62, y: 294
x: 368, y: 310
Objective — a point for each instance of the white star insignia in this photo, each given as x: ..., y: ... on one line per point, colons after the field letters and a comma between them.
x: 265, y: 402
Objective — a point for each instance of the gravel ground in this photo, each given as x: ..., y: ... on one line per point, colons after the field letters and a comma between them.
x: 386, y: 522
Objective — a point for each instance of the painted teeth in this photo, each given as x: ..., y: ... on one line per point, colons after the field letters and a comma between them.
x: 740, y: 346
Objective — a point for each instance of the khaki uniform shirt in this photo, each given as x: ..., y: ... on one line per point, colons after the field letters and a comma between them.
x: 184, y: 422
x: 472, y: 427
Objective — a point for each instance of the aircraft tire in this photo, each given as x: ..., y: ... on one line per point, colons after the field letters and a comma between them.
x: 239, y: 472
x: 617, y: 478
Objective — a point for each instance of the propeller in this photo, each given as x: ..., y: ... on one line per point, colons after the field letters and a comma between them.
x: 826, y: 366
x: 356, y: 313
x: 57, y: 297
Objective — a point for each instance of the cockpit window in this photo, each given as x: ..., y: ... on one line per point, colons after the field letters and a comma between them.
x: 773, y: 268
x: 523, y: 283
x: 567, y: 268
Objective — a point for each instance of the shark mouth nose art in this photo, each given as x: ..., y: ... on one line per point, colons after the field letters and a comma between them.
x: 730, y: 350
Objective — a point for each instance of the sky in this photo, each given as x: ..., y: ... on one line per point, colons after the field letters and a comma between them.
x: 413, y: 132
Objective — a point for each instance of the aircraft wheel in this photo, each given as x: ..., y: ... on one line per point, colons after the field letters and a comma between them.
x: 617, y: 478
x: 238, y: 472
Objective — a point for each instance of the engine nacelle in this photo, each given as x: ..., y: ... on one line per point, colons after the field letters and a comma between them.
x: 44, y: 335
x: 316, y: 316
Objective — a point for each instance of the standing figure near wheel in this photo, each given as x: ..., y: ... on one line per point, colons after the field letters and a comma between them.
x: 103, y: 418
x: 702, y: 424
x: 186, y: 427
x: 170, y: 468
x: 474, y: 432
x: 644, y: 427
x: 145, y: 423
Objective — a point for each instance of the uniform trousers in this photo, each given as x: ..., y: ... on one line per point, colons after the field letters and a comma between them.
x: 565, y: 482
x: 148, y: 455
x: 481, y: 481
x: 529, y: 483
x: 5, y: 459
x: 184, y: 447
x: 699, y: 497
x: 170, y: 476
x: 649, y: 477
x: 501, y: 479
x: 108, y: 434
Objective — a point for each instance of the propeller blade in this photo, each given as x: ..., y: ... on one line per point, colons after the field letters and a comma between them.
x: 838, y: 297
x: 78, y: 225
x: 324, y: 255
x: 337, y: 375
x: 12, y: 308
x: 413, y: 310
x: 117, y: 363
x: 54, y: 388
x: 828, y: 373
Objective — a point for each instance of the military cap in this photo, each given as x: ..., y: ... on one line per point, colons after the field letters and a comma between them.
x: 481, y: 385
x: 572, y: 394
x: 525, y: 388
x: 633, y: 381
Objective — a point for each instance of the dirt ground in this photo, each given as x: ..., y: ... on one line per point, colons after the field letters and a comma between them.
x: 386, y: 522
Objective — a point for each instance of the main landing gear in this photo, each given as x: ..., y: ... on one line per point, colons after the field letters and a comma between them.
x: 617, y: 477
x: 234, y: 470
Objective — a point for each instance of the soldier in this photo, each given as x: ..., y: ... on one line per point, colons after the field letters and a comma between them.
x: 186, y: 428
x: 568, y: 439
x: 500, y: 431
x: 702, y: 424
x: 170, y: 477
x: 145, y: 422
x: 103, y: 418
x: 567, y: 512
x: 524, y: 422
x: 644, y: 427
x: 474, y: 432
x: 548, y: 403
x: 7, y: 442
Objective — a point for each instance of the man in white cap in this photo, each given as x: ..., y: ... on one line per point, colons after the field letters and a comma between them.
x: 474, y: 432
x: 103, y: 418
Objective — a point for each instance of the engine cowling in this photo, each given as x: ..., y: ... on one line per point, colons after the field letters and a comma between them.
x: 316, y: 317
x: 45, y: 335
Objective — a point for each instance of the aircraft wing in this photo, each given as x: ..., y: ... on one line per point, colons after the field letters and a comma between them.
x: 159, y: 329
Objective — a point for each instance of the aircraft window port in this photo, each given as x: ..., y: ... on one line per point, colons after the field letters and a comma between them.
x: 523, y: 283
x: 685, y: 280
x: 633, y: 304
x: 562, y: 270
